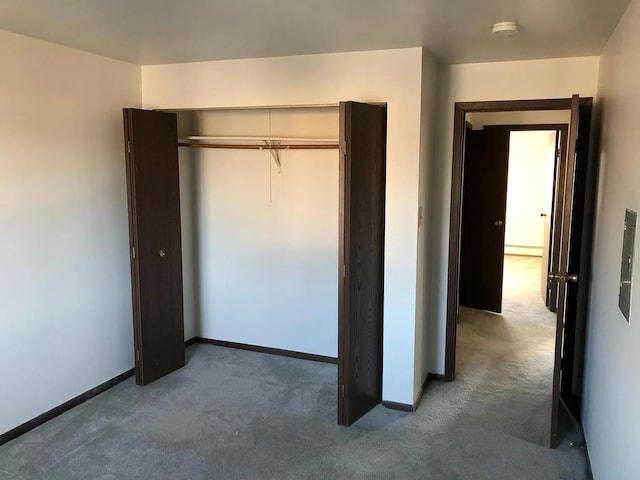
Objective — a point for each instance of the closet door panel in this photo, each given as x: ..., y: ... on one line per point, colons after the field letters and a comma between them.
x: 156, y: 253
x: 362, y: 205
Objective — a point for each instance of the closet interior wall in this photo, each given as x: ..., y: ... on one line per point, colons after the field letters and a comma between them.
x: 260, y: 244
x: 187, y: 159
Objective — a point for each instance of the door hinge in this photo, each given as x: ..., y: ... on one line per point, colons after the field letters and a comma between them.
x: 137, y: 355
x: 133, y: 252
x: 344, y: 148
x: 344, y: 271
x: 128, y: 146
x: 343, y: 390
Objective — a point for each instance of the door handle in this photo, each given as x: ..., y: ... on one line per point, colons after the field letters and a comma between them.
x: 573, y: 278
x: 498, y: 223
x: 161, y: 253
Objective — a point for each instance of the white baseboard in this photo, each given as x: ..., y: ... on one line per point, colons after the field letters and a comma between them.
x: 520, y: 250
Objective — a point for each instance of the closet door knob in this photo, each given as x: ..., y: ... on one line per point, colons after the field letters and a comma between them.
x: 161, y: 253
x: 498, y: 223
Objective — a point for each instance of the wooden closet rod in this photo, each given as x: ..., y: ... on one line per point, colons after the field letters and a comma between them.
x: 261, y: 140
x: 231, y: 146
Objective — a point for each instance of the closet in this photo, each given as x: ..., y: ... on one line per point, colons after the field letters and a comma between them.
x: 282, y: 236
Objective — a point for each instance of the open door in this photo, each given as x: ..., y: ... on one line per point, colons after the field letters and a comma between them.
x: 556, y: 217
x: 484, y: 207
x: 154, y: 232
x: 573, y: 256
x: 363, y: 133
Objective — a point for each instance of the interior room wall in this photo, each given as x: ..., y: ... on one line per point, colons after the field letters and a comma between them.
x: 391, y: 76
x: 612, y: 390
x: 268, y: 238
x: 519, y: 80
x: 428, y: 135
x: 529, y: 190
x: 65, y: 291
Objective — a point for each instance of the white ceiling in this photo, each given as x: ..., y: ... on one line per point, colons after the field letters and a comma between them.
x: 173, y: 31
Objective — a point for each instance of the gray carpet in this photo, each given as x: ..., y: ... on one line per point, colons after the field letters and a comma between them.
x: 507, y: 360
x: 239, y: 415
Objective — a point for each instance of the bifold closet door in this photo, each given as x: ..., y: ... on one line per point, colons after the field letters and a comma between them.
x: 151, y: 145
x: 363, y: 133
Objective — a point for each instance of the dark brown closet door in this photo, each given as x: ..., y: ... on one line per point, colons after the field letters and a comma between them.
x: 154, y: 230
x: 363, y: 132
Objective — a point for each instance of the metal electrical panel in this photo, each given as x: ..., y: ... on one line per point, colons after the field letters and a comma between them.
x: 626, y: 266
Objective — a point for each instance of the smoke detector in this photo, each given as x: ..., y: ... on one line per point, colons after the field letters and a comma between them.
x: 505, y: 28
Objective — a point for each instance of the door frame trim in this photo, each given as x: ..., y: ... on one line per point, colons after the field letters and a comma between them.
x: 455, y: 215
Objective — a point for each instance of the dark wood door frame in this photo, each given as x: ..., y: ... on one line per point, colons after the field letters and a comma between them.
x: 554, y: 245
x: 557, y: 199
x: 455, y: 219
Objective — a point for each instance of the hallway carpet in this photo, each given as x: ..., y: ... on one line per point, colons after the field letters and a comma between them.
x: 233, y: 414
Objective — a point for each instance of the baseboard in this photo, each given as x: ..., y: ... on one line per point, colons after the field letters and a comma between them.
x: 191, y: 341
x: 586, y: 454
x: 66, y: 406
x: 403, y: 407
x: 273, y: 351
x: 83, y: 397
x: 430, y: 376
x: 416, y: 404
x: 523, y: 251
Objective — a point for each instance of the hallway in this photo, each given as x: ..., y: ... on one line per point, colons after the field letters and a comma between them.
x: 508, y: 359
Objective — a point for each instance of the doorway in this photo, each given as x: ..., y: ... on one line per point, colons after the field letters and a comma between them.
x: 511, y: 182
x: 505, y: 331
x: 573, y: 215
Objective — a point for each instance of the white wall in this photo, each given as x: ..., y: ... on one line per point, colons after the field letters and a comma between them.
x: 392, y: 76
x: 187, y: 159
x: 534, y: 79
x: 612, y: 389
x: 480, y: 119
x: 268, y: 239
x: 65, y: 298
x: 529, y: 190
x: 428, y: 148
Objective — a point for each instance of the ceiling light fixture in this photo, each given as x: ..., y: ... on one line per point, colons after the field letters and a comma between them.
x: 505, y: 28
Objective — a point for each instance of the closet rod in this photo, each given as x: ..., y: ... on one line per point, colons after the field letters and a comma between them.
x: 222, y: 139
x: 321, y: 146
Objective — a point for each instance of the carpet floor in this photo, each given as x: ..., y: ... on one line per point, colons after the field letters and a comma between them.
x: 233, y: 414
